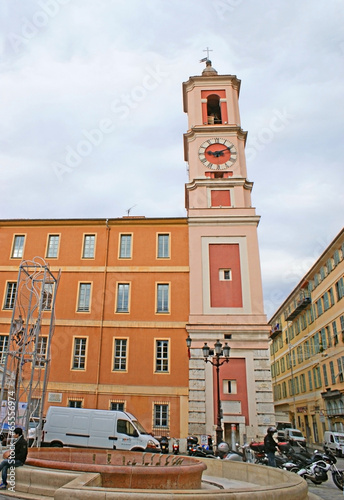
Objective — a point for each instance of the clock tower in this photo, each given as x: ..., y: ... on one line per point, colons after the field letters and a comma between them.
x: 226, y: 300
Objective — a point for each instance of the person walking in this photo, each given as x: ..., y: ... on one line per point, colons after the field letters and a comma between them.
x: 270, y: 446
x: 18, y: 459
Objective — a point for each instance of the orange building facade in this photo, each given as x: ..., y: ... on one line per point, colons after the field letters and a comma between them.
x: 121, y: 310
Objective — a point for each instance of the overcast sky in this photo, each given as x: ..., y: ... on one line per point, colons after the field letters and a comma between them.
x: 92, y: 119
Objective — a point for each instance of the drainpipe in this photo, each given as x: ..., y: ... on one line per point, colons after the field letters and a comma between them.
x: 102, y: 309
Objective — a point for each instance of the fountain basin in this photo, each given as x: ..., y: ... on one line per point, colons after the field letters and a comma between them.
x: 124, y: 469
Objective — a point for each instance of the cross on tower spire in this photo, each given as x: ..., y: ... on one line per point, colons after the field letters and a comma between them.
x: 207, y: 50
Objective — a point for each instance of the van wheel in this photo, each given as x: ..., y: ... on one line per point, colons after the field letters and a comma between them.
x: 56, y: 444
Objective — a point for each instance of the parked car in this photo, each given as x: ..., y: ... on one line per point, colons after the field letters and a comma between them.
x: 334, y: 442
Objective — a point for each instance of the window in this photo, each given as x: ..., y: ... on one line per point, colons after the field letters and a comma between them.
x: 336, y: 257
x: 162, y: 298
x: 18, y: 247
x: 333, y: 376
x: 79, y: 358
x: 53, y: 245
x: 10, y: 295
x: 120, y: 357
x: 284, y: 389
x: 340, y: 369
x: 335, y: 333
x: 282, y: 365
x: 3, y: 347
x: 310, y: 382
x: 122, y: 297
x: 161, y: 363
x: 329, y: 265
x: 117, y: 406
x: 323, y: 341
x: 125, y: 246
x: 303, y: 382
x: 340, y: 288
x: 225, y: 274
x: 126, y: 427
x: 41, y: 352
x: 161, y: 415
x: 84, y: 297
x: 291, y: 387
x: 230, y: 387
x: 329, y: 338
x: 331, y: 296
x: 322, y: 273
x: 163, y: 246
x: 88, y: 250
x: 319, y: 307
x: 325, y: 375
x: 326, y: 301
x: 341, y: 319
x: 317, y: 377
x: 75, y: 403
x: 47, y: 296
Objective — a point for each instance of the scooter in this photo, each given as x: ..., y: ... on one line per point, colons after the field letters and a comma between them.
x: 175, y: 447
x: 164, y: 444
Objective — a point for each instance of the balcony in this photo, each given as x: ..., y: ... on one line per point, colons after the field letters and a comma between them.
x: 275, y: 330
x: 297, y: 306
x: 335, y: 412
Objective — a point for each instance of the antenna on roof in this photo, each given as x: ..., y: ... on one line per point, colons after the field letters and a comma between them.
x: 129, y: 209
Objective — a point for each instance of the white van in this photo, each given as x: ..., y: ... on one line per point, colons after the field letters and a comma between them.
x: 81, y: 427
x: 334, y: 442
x: 294, y: 436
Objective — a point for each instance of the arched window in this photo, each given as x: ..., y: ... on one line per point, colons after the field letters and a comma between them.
x: 214, y: 109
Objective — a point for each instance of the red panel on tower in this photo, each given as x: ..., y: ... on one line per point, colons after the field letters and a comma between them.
x: 225, y: 275
x: 220, y: 198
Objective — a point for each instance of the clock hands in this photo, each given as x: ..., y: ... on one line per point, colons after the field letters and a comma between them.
x: 218, y: 153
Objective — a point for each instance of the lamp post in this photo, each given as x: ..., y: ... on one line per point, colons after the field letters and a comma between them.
x: 218, y: 352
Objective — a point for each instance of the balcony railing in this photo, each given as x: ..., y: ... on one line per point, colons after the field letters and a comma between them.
x: 298, y: 305
x: 335, y: 412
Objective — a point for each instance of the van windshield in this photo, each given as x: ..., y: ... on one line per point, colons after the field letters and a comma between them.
x: 296, y: 434
x: 139, y: 427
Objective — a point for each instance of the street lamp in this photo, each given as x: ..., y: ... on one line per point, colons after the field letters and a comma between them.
x: 217, y: 353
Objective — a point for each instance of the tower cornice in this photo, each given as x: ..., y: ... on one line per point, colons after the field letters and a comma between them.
x: 232, y: 181
x: 238, y: 220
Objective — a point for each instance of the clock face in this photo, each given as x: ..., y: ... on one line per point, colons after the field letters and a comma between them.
x: 217, y: 154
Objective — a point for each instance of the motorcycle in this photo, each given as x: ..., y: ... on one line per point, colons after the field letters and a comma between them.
x: 200, y: 451
x: 191, y: 442
x: 175, y: 447
x: 316, y: 467
x: 164, y: 444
